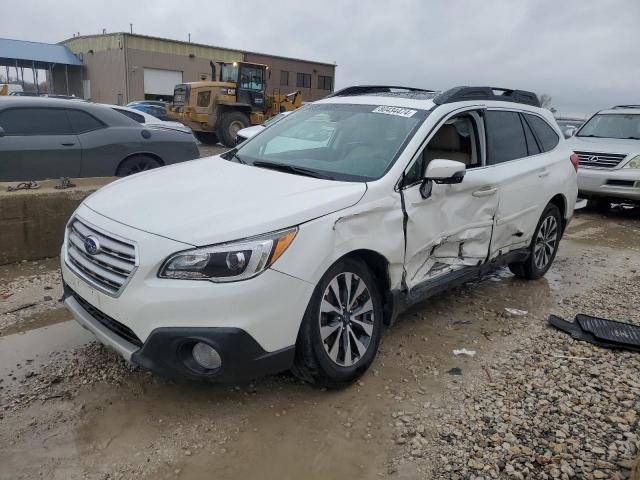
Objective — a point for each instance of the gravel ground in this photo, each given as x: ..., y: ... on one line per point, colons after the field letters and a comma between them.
x: 551, y: 407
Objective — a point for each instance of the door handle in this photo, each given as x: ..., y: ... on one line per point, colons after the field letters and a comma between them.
x: 67, y: 144
x: 543, y: 173
x: 485, y: 192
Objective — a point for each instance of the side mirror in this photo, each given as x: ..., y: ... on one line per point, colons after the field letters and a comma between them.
x: 570, y: 132
x: 445, y: 171
x: 1, y: 132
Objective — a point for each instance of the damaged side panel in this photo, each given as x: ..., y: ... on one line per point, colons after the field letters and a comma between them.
x: 449, y: 230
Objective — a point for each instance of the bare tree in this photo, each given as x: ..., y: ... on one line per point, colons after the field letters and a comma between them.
x: 545, y: 100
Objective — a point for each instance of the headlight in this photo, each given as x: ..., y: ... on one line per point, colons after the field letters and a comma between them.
x: 229, y: 262
x: 633, y: 163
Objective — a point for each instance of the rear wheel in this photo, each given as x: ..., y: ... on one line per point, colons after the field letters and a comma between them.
x: 230, y: 124
x: 208, y: 138
x: 137, y: 164
x: 544, y: 246
x: 342, y: 326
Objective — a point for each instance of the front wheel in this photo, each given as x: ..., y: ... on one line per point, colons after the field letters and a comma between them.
x: 342, y: 326
x: 544, y: 246
x: 230, y: 124
x: 137, y: 164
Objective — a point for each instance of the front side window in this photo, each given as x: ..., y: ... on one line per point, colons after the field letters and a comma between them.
x: 303, y: 80
x: 338, y: 141
x: 612, y: 125
x: 35, y: 121
x: 251, y: 78
x: 546, y: 135
x: 204, y: 98
x: 505, y: 137
x: 457, y: 139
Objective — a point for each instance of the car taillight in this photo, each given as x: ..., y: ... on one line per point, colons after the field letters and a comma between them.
x: 575, y: 160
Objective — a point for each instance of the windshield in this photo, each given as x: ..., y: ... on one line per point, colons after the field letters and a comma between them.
x: 612, y: 125
x: 273, y: 120
x: 229, y: 73
x: 338, y: 141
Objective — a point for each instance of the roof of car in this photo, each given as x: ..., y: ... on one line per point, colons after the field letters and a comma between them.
x: 623, y: 110
x: 19, y: 101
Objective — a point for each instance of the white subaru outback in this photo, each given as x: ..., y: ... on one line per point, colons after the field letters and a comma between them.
x: 608, y: 146
x: 294, y: 249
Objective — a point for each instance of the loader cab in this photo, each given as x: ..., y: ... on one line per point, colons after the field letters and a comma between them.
x: 250, y: 79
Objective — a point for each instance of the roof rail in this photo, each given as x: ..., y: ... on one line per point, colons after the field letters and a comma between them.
x: 364, y: 89
x: 618, y: 107
x: 461, y: 94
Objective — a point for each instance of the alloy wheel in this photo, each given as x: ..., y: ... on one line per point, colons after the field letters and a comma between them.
x: 546, y: 242
x: 346, y: 319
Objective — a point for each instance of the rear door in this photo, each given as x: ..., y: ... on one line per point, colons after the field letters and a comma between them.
x: 38, y: 144
x: 521, y: 168
x: 451, y: 228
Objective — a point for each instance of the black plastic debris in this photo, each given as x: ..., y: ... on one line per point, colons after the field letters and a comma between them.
x: 600, y: 331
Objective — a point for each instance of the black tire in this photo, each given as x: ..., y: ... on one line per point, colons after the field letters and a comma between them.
x: 313, y: 362
x: 535, y: 266
x: 137, y: 164
x: 208, y: 138
x: 229, y: 125
x: 599, y: 205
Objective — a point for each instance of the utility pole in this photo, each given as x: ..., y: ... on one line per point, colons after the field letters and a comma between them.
x: 131, y: 27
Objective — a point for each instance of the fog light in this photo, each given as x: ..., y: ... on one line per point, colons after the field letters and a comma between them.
x: 206, y: 356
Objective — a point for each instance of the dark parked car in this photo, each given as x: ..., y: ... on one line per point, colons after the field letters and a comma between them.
x: 44, y: 138
x: 152, y: 107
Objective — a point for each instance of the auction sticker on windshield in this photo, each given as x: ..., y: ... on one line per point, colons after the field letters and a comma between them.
x: 400, y: 112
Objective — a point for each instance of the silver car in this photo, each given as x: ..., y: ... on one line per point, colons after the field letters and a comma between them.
x: 44, y: 138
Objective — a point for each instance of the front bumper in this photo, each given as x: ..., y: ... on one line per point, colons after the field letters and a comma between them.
x: 253, y: 324
x: 619, y: 183
x: 166, y: 350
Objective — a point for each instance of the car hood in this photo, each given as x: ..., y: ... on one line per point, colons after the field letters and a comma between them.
x: 251, y: 131
x: 212, y: 200
x: 604, y: 145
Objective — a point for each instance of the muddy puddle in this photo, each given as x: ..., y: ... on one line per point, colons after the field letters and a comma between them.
x: 35, y: 343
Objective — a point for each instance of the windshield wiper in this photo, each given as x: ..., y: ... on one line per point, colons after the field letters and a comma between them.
x: 292, y: 169
x: 231, y: 155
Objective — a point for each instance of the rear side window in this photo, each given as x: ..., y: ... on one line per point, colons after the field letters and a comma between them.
x: 532, y: 143
x: 505, y: 137
x: 133, y: 116
x: 547, y: 136
x: 35, y: 121
x: 82, y: 122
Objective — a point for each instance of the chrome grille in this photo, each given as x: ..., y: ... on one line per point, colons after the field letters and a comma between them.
x: 600, y: 160
x: 110, y: 268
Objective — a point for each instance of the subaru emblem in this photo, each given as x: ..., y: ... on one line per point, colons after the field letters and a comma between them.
x: 92, y: 245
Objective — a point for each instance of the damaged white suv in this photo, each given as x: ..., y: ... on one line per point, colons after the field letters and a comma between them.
x: 294, y: 249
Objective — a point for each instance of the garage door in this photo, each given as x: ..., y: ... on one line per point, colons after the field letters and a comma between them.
x: 160, y: 83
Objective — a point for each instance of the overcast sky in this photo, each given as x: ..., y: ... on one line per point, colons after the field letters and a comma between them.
x: 585, y: 54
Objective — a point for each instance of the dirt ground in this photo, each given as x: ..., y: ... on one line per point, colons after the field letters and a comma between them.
x: 70, y: 409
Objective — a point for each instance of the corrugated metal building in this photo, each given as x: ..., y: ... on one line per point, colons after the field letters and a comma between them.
x: 124, y: 67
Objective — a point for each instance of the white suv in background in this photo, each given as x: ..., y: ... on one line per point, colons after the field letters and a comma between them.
x: 293, y: 250
x: 608, y: 146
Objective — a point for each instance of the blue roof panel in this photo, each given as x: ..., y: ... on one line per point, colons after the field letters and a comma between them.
x: 38, y: 52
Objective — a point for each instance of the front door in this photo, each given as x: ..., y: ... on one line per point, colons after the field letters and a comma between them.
x: 452, y: 227
x: 38, y: 144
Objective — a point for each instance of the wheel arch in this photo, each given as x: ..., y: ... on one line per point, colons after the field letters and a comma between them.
x: 560, y: 201
x: 378, y: 264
